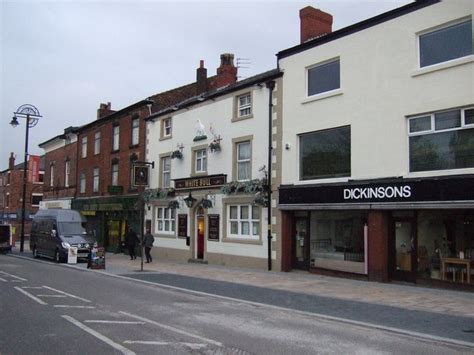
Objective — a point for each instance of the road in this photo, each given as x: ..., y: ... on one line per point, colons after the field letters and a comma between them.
x: 50, y: 308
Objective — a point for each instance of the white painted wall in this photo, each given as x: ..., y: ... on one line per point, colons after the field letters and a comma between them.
x: 381, y: 84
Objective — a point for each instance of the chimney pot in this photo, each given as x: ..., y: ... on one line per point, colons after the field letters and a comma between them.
x: 314, y: 23
x: 201, y: 78
x: 11, y: 161
x: 227, y: 72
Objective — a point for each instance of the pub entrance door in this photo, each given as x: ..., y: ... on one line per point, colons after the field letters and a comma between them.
x: 201, y: 227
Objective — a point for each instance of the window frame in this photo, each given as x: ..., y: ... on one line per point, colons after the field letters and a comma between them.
x: 115, y: 137
x: 82, y: 182
x: 432, y: 30
x: 67, y: 172
x: 195, y: 150
x: 239, y: 237
x: 34, y: 194
x: 166, y: 124
x: 97, y: 137
x: 84, y: 147
x: 135, y: 139
x: 432, y: 131
x: 247, y: 106
x: 96, y: 179
x: 114, y: 173
x: 319, y: 65
x: 243, y: 161
x: 51, y: 174
x: 171, y: 219
x: 163, y: 157
x: 235, y: 142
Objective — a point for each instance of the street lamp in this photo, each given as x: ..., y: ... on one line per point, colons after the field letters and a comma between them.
x: 32, y: 116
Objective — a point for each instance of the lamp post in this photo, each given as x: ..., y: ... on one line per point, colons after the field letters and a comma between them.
x: 32, y: 116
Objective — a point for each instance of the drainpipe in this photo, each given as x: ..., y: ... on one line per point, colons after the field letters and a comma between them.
x: 270, y: 85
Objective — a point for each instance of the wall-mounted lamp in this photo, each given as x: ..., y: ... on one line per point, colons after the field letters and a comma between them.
x: 190, y: 200
x: 287, y: 146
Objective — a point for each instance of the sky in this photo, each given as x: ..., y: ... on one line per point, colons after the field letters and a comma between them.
x: 67, y: 56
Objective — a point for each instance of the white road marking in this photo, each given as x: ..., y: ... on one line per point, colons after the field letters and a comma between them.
x: 55, y: 296
x: 15, y: 277
x: 67, y: 294
x: 67, y: 306
x: 99, y: 336
x: 112, y: 322
x: 32, y: 287
x: 3, y: 280
x: 31, y: 296
x: 176, y: 330
x: 194, y: 346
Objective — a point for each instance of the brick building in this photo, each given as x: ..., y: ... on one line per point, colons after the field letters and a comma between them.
x: 11, y: 193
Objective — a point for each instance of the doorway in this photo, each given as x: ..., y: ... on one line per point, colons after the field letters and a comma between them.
x: 403, y: 261
x: 201, y: 227
x: 301, y: 244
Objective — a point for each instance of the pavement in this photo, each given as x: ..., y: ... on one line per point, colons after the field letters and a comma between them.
x: 402, y: 296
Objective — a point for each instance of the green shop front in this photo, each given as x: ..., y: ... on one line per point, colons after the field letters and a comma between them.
x: 109, y: 218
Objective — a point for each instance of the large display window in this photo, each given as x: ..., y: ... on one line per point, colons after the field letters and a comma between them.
x: 446, y: 245
x: 338, y: 240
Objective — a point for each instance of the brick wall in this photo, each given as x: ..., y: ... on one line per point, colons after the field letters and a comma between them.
x: 58, y: 158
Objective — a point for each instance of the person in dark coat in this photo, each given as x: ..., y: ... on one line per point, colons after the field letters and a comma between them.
x: 131, y: 240
x: 148, y: 240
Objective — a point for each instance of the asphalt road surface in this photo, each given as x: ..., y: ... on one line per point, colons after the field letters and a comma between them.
x: 52, y: 309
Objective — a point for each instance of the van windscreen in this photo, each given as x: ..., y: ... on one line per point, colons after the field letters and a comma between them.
x: 71, y: 228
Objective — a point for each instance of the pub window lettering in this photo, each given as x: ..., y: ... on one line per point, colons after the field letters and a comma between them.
x: 442, y: 140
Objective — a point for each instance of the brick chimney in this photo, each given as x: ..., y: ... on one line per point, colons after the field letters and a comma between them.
x: 11, y: 161
x: 314, y: 23
x: 201, y: 78
x: 227, y: 72
x: 104, y: 110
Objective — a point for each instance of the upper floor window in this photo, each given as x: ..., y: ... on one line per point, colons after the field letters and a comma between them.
x: 446, y: 44
x: 51, y: 175
x: 97, y: 143
x: 442, y: 140
x: 84, y: 147
x: 41, y: 177
x: 244, y: 105
x: 67, y: 172
x: 82, y: 183
x: 115, y: 174
x: 95, y: 181
x: 166, y: 128
x: 116, y: 138
x: 135, y: 131
x: 165, y: 172
x: 324, y: 77
x: 200, y: 161
x: 244, y: 159
x: 36, y: 199
x: 325, y: 154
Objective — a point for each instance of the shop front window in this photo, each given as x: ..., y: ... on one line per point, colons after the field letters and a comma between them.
x: 446, y: 245
x: 337, y: 240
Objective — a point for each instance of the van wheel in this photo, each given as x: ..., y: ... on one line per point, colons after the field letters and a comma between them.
x: 57, y: 256
x: 35, y: 252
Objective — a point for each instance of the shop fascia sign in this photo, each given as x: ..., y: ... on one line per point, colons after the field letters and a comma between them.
x: 378, y: 192
x: 200, y: 182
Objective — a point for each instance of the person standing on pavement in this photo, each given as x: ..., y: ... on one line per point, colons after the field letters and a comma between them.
x: 131, y: 241
x: 148, y: 244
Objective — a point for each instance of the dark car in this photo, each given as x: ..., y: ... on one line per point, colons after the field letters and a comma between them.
x: 5, y: 238
x: 54, y: 231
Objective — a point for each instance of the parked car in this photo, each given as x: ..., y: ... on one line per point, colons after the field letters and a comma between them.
x: 5, y: 238
x: 54, y: 231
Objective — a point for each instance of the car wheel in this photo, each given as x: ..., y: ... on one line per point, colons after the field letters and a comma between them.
x: 57, y: 256
x: 35, y: 252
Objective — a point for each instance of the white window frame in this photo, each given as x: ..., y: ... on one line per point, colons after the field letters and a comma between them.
x: 167, y: 127
x: 35, y: 194
x: 82, y: 183
x: 115, y: 138
x: 244, y: 108
x: 244, y: 161
x: 135, y: 131
x: 97, y: 143
x: 327, y: 92
x: 51, y: 175
x: 115, y: 174
x: 435, y: 29
x: 84, y: 147
x: 165, y: 174
x: 95, y: 180
x: 240, y: 222
x: 67, y: 172
x: 200, y: 156
x: 165, y: 220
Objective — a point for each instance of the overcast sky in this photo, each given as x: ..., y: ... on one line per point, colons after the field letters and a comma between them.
x: 65, y: 57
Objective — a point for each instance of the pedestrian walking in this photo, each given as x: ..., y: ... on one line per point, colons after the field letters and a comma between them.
x: 148, y: 244
x: 131, y: 240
